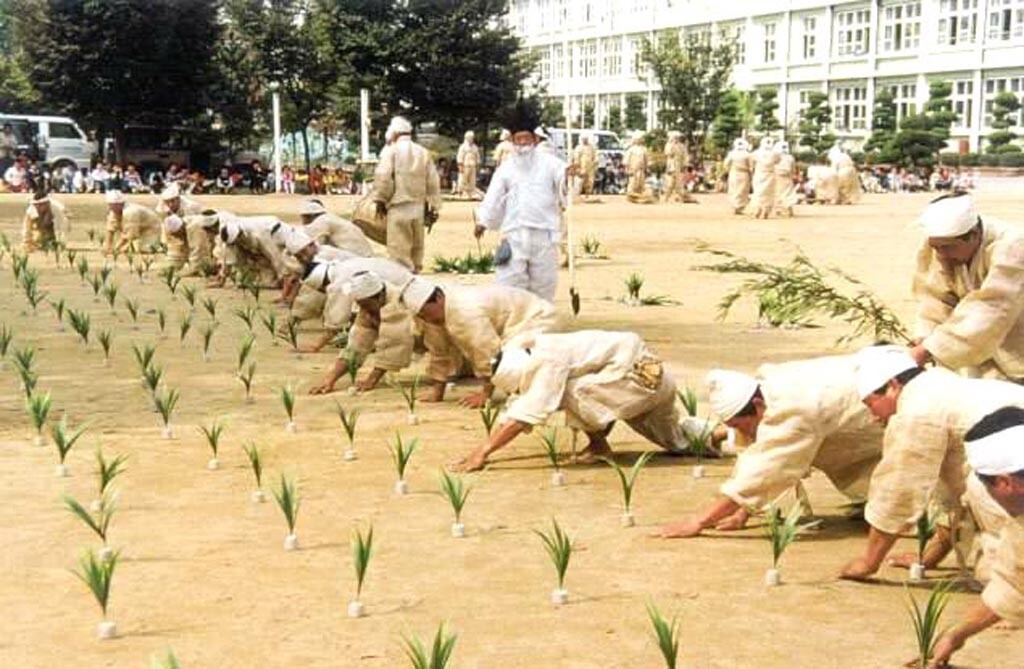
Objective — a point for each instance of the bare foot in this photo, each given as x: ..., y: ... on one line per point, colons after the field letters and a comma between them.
x: 473, y: 462
x: 857, y: 570
x: 681, y: 530
x: 593, y: 453
x: 736, y: 521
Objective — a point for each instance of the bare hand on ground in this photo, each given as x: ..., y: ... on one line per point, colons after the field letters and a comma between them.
x: 322, y: 389
x: 474, y: 400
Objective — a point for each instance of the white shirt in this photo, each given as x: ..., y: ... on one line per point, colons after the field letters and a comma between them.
x: 525, y: 192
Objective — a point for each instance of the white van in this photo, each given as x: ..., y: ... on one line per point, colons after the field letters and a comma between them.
x: 54, y: 140
x: 608, y: 144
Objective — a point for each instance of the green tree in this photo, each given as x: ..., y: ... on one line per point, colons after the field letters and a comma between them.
x: 235, y: 94
x: 693, y: 76
x: 118, y: 61
x: 552, y: 112
x: 922, y: 136
x: 814, y: 123
x: 636, y: 117
x: 614, y: 122
x: 765, y: 110
x: 16, y: 91
x: 588, y: 115
x: 728, y: 124
x: 883, y: 127
x: 1004, y: 116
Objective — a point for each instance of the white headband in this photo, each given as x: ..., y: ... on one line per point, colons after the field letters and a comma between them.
x: 998, y: 453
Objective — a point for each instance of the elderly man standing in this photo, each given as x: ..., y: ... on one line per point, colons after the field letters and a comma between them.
x: 675, y: 170
x: 597, y: 378
x: 504, y: 149
x: 468, y: 159
x: 406, y: 189
x: 524, y: 202
x: 739, y: 164
x: 45, y: 223
x: 471, y: 324
x: 926, y: 414
x: 635, y: 160
x: 585, y: 162
x: 764, y: 161
x: 785, y: 185
x: 332, y: 230
x: 130, y: 223
x: 969, y: 285
x: 995, y: 453
x: 797, y: 416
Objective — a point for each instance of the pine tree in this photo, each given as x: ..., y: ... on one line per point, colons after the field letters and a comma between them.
x: 1004, y: 114
x: 636, y: 117
x: 765, y: 110
x: 814, y: 122
x: 614, y: 121
x: 728, y: 123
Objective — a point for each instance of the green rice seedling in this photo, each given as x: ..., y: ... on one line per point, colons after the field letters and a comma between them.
x: 628, y: 481
x: 189, y: 293
x: 559, y: 548
x: 133, y: 310
x: 5, y: 242
x: 634, y: 283
x: 667, y: 635
x: 591, y: 246
x: 184, y: 326
x: 152, y: 375
x: 98, y: 576
x: 699, y: 443
x: 410, y: 395
x: 105, y: 272
x: 18, y: 265
x: 256, y: 464
x: 81, y: 323
x: 98, y: 523
x: 147, y: 262
x: 83, y: 268
x: 362, y: 551
x: 210, y: 305
x: 110, y: 292
x: 246, y: 379
x: 168, y: 661
x: 489, y: 415
x: 549, y: 440
x: 106, y: 339
x: 165, y: 404
x: 440, y: 654
x: 349, y: 420
x: 207, y: 334
x: 926, y: 527
x: 96, y: 283
x: 6, y: 337
x: 107, y: 471
x: 144, y: 356
x: 172, y: 284
x: 161, y: 321
x: 91, y: 232
x: 24, y: 358
x: 688, y: 398
x: 140, y: 272
x: 782, y: 532
x: 72, y: 255
x: 291, y: 333
x: 29, y: 379
x: 269, y: 321
x: 352, y: 365
x: 33, y: 295
x: 288, y: 402
x: 656, y: 300
x: 287, y: 496
x: 456, y: 492
x: 59, y: 307
x: 38, y: 407
x: 245, y: 350
x: 213, y: 435
x: 926, y: 621
x: 401, y: 453
x: 64, y: 439
x: 247, y: 315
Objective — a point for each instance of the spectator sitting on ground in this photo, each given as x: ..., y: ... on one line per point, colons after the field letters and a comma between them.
x: 224, y: 182
x: 100, y: 179
x: 257, y: 178
x: 78, y: 181
x: 16, y: 176
x: 132, y: 180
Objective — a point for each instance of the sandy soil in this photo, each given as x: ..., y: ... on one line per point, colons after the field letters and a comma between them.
x: 203, y: 569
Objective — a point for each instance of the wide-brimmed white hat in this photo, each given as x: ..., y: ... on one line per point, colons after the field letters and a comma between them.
x: 115, y: 197
x: 363, y: 285
x: 311, y: 208
x: 877, y: 365
x: 729, y: 392
x: 296, y: 240
x: 416, y: 292
x: 173, y: 223
x: 949, y: 216
x: 170, y: 192
x: 509, y: 374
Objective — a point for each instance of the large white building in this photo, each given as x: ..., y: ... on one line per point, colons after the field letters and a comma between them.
x: 589, y: 52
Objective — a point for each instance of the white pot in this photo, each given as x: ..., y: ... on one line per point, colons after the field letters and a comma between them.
x: 412, y: 419
x: 559, y: 596
x: 289, y: 427
x: 258, y: 497
x: 352, y: 390
x: 917, y: 572
x: 449, y: 386
x: 698, y: 471
x: 349, y: 455
x: 772, y: 578
x: 213, y: 463
x: 558, y: 478
x: 401, y: 487
x: 355, y: 609
x: 39, y: 440
x: 106, y: 553
x: 106, y: 630
x: 291, y: 542
x: 62, y: 470
x: 458, y: 530
x: 627, y: 520
x: 168, y: 432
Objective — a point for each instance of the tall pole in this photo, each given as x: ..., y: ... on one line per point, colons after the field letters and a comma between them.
x: 277, y: 139
x: 364, y: 125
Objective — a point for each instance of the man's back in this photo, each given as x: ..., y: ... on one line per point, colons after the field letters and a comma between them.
x: 405, y: 175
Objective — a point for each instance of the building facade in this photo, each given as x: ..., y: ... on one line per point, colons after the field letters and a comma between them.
x: 589, y: 53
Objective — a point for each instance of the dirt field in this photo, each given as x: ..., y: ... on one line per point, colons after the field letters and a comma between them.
x: 203, y: 569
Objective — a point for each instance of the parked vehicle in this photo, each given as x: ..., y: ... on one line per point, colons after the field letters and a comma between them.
x: 54, y: 140
x: 608, y: 144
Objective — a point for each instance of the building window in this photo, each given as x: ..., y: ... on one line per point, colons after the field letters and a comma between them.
x: 994, y: 87
x: 635, y: 55
x: 901, y: 27
x: 1005, y: 20
x: 545, y: 63
x: 769, y: 42
x: 810, y: 37
x: 588, y: 59
x: 963, y: 103
x: 904, y: 97
x: 853, y: 32
x: 849, y: 108
x: 740, y: 38
x: 558, y: 61
x: 958, y: 22
x: 612, y: 60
